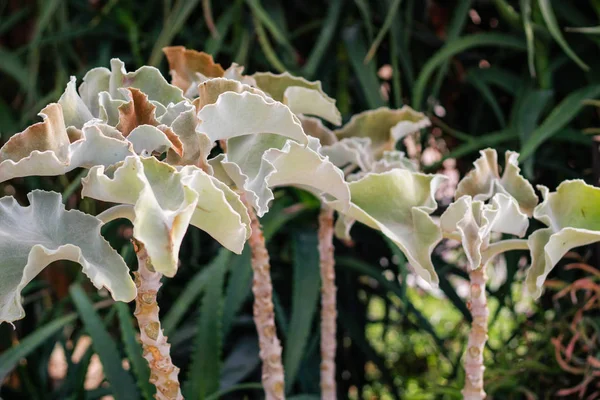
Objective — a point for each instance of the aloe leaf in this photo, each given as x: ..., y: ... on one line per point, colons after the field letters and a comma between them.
x: 554, y: 29
x: 121, y: 382
x: 457, y: 46
x: 133, y: 349
x: 205, y: 368
x: 11, y: 357
x: 560, y: 116
x: 193, y: 289
x: 366, y: 74
x: 305, y: 301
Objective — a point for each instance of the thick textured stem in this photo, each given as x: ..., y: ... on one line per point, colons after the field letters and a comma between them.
x: 473, y: 360
x: 264, y: 314
x: 163, y: 374
x: 328, y: 306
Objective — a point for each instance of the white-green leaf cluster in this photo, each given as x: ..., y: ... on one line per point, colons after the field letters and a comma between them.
x: 572, y: 217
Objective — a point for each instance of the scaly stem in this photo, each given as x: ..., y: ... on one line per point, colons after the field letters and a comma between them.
x: 473, y: 360
x: 264, y: 314
x: 328, y: 306
x: 163, y: 374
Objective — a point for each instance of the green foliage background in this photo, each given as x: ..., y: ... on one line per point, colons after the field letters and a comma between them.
x: 506, y: 74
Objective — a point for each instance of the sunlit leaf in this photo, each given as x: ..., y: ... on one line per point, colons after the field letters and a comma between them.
x: 44, y: 232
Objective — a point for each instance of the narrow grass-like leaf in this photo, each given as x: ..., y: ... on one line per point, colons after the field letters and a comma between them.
x: 502, y: 78
x: 562, y: 114
x: 193, y: 289
x: 205, y: 367
x: 526, y: 11
x: 527, y: 111
x: 365, y: 13
x: 236, y: 388
x: 178, y: 15
x: 12, y: 66
x: 459, y: 19
x: 324, y: 40
x: 389, y: 18
x: 133, y: 349
x: 238, y: 288
x: 459, y: 45
x: 259, y: 12
x: 593, y: 30
x: 552, y: 24
x: 267, y: 49
x: 489, y: 97
x: 11, y: 357
x: 366, y: 73
x: 121, y: 382
x: 305, y: 299
x: 214, y: 44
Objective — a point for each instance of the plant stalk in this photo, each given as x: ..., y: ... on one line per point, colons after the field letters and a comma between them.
x: 163, y: 374
x: 473, y: 361
x: 264, y: 313
x: 328, y: 305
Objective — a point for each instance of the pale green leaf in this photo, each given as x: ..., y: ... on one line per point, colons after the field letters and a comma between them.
x: 384, y: 126
x: 44, y: 148
x: 483, y: 182
x: 44, y: 232
x: 238, y: 114
x: 474, y: 221
x: 398, y: 203
x: 572, y: 215
x: 165, y: 202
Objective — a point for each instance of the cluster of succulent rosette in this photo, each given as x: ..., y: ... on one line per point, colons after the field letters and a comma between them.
x: 147, y: 145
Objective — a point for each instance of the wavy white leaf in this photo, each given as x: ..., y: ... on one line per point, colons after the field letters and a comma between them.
x: 572, y: 215
x: 483, y: 182
x: 398, y: 204
x: 44, y: 232
x: 165, y: 202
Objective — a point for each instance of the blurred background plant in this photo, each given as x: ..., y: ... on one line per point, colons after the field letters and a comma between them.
x: 519, y: 75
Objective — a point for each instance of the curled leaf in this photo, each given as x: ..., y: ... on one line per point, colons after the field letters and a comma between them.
x: 315, y: 128
x: 572, y: 215
x: 44, y: 149
x: 184, y: 64
x: 483, y: 182
x: 259, y: 163
x: 44, y: 232
x: 398, y: 203
x: 238, y: 114
x: 302, y: 96
x: 165, y: 202
x: 474, y: 221
x: 384, y: 126
x: 75, y: 112
x: 354, y: 151
x: 210, y: 90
